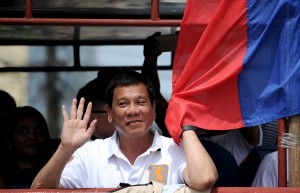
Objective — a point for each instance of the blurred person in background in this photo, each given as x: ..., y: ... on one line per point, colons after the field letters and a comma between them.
x: 7, y: 106
x: 28, y: 147
x: 94, y: 91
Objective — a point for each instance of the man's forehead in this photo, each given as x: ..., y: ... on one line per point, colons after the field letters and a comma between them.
x: 131, y: 90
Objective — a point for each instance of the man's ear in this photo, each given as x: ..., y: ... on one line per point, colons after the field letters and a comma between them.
x: 108, y: 109
x: 109, y: 113
x: 154, y: 109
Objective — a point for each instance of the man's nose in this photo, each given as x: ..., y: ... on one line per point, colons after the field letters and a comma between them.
x: 133, y: 109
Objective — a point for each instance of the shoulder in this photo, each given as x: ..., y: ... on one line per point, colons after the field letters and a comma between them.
x: 166, y: 141
x: 169, y: 146
x: 92, y: 147
x: 271, y: 157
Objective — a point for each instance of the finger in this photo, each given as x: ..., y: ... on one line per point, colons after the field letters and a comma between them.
x: 73, y: 109
x: 157, y: 34
x: 65, y: 113
x: 88, y: 111
x: 152, y: 37
x: 92, y: 127
x: 80, y: 108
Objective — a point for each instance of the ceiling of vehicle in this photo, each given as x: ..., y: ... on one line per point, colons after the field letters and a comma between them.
x: 22, y: 34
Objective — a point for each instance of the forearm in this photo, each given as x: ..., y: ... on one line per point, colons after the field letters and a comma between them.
x: 161, y: 114
x: 149, y: 69
x: 50, y: 174
x: 200, y: 172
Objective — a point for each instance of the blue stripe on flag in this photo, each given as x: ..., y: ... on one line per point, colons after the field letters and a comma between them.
x: 269, y: 84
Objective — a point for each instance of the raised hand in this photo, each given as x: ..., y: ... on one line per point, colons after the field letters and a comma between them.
x: 75, y: 132
x: 151, y: 47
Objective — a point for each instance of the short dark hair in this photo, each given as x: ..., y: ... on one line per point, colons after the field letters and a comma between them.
x: 93, y: 91
x: 26, y: 111
x: 127, y: 78
x: 7, y: 102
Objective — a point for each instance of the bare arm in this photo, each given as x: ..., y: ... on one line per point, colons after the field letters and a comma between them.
x: 200, y: 172
x: 74, y: 135
x: 151, y: 53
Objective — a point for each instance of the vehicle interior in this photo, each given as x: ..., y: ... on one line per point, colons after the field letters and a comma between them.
x: 55, y: 47
x: 49, y: 49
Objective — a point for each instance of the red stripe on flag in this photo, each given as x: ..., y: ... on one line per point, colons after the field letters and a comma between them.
x: 208, y: 59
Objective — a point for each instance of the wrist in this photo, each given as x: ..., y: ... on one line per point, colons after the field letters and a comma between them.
x: 151, y: 58
x: 188, y: 128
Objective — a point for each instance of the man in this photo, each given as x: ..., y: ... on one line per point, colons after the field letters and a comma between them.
x: 267, y: 172
x: 94, y: 91
x: 135, y: 154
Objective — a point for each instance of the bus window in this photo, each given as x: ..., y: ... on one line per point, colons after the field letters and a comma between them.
x: 118, y: 55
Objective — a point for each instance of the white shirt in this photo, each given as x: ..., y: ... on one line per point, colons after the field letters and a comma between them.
x: 267, y: 172
x: 235, y: 143
x: 101, y: 164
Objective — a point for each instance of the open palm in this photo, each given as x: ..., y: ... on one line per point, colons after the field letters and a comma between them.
x: 75, y: 132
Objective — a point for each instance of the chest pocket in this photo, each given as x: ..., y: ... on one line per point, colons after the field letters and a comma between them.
x: 159, y: 173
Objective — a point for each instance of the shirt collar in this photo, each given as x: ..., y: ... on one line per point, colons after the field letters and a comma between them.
x: 113, y: 143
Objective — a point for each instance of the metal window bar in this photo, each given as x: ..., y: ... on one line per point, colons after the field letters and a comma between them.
x: 30, y: 20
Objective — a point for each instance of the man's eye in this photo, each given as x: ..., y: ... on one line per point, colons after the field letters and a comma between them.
x: 142, y: 102
x: 122, y: 104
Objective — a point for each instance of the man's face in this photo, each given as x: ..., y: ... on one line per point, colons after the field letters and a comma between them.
x: 132, y: 112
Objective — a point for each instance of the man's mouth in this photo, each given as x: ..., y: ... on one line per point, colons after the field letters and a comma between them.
x: 133, y: 122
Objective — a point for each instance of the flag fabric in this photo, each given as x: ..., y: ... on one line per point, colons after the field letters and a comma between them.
x: 237, y: 64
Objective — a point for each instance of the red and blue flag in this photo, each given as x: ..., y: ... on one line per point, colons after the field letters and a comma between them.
x: 237, y: 64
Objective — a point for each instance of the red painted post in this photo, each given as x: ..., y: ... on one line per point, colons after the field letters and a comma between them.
x: 282, y: 163
x: 154, y: 10
x: 28, y: 9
